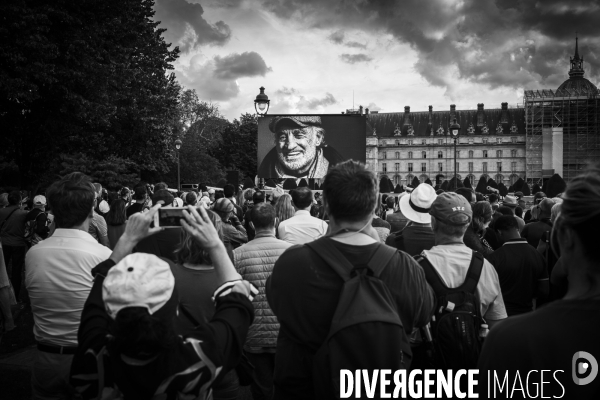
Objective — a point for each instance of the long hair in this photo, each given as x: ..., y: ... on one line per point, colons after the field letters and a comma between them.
x: 189, y: 251
x: 283, y: 208
x: 116, y: 215
x: 482, y: 214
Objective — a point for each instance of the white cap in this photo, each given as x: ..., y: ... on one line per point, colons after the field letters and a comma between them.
x: 416, y: 206
x: 39, y: 200
x: 138, y: 280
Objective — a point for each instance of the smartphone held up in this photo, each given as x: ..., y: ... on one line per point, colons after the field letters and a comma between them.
x: 169, y: 217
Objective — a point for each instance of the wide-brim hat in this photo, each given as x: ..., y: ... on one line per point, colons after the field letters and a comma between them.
x: 510, y: 201
x: 416, y: 205
x: 299, y: 121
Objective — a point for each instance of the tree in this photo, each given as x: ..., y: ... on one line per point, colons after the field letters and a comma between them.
x: 384, y: 184
x: 270, y: 183
x: 556, y: 185
x: 112, y: 173
x: 303, y: 183
x: 249, y: 183
x: 85, y: 77
x: 467, y: 183
x: 545, y: 186
x: 290, y: 184
x: 415, y: 182
x: 445, y: 186
x: 511, y: 189
x: 428, y: 181
x: 236, y: 148
x: 503, y: 190
x: 455, y: 184
x: 525, y: 190
x: 518, y: 185
x: 535, y: 189
x: 492, y: 183
x: 482, y: 185
x: 398, y: 189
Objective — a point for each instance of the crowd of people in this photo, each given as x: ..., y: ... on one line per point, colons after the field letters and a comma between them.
x: 251, y: 288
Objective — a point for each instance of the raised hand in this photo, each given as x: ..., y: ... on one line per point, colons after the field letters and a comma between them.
x: 198, y: 225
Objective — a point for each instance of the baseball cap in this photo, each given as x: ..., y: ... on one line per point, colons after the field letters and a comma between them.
x: 519, y: 194
x: 39, y: 200
x: 417, y: 205
x: 452, y: 209
x: 138, y: 280
x: 223, y: 205
x: 299, y: 121
x: 510, y: 201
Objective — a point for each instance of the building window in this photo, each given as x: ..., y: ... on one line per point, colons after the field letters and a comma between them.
x: 397, y: 167
x: 440, y: 154
x: 397, y: 143
x: 484, y: 167
x: 440, y: 167
x: 485, y: 141
x: 457, y: 153
x: 397, y: 179
x: 410, y: 154
x: 458, y: 166
x: 424, y: 142
x: 410, y: 142
x: 471, y: 141
x: 498, y: 153
x: 384, y: 155
x: 470, y: 167
x: 424, y: 154
x: 513, y: 153
x: 485, y: 154
x: 397, y: 155
x: 440, y: 141
x: 384, y: 167
x: 513, y: 139
x: 499, y: 140
x: 423, y: 167
x: 499, y: 166
x: 470, y: 153
x: 513, y: 166
x: 410, y: 167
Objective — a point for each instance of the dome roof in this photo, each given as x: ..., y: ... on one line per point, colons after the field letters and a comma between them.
x: 578, y: 84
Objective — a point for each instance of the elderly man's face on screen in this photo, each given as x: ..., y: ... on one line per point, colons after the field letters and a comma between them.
x: 297, y: 146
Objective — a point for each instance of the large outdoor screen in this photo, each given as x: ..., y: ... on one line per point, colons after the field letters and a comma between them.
x: 306, y: 146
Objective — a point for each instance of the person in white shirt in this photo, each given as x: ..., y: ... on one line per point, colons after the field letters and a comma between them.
x: 302, y: 227
x: 58, y: 279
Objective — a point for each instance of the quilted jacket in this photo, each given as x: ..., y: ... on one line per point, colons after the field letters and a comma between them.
x: 255, y: 261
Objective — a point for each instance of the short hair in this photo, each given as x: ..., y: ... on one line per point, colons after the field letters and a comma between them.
x: 160, y: 186
x: 479, y: 196
x: 350, y: 191
x: 164, y: 195
x: 504, y: 210
x: 454, y: 231
x: 466, y: 193
x: 191, y: 198
x: 14, y: 198
x: 505, y: 223
x: 140, y: 192
x: 390, y: 201
x: 262, y: 216
x: 258, y: 197
x: 519, y: 211
x: 493, y: 198
x: 302, y: 197
x: 72, y: 199
x: 219, y: 194
x: 228, y: 190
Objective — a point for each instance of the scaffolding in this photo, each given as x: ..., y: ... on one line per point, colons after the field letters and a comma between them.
x: 577, y: 113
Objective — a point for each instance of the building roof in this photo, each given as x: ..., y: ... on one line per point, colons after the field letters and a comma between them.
x: 576, y: 82
x: 418, y: 123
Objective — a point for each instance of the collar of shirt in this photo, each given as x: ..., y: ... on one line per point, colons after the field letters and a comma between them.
x: 73, y: 233
x: 515, y: 241
x: 263, y: 234
x: 302, y: 212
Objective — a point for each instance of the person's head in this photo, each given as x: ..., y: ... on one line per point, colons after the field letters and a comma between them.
x: 510, y: 201
x: 39, y: 201
x: 284, y: 209
x: 416, y: 205
x: 276, y: 194
x: 258, y: 197
x: 224, y: 208
x: 522, y: 204
x: 211, y: 194
x: 116, y: 215
x: 482, y: 216
x: 493, y: 198
x: 390, y: 202
x: 72, y: 199
x: 189, y: 251
x: 160, y: 186
x: 263, y: 217
x: 519, y: 195
x: 229, y: 191
x: 467, y: 194
x: 163, y: 195
x: 191, y: 199
x: 302, y: 198
x: 546, y: 208
x: 507, y: 228
x: 125, y: 193
x: 555, y: 212
x: 519, y: 211
x: 538, y: 197
x: 14, y: 198
x: 479, y: 196
x: 297, y: 140
x: 504, y: 210
x: 452, y: 215
x: 139, y: 296
x: 140, y: 193
x: 535, y: 212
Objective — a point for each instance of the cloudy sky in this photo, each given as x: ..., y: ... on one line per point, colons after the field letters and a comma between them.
x: 312, y: 55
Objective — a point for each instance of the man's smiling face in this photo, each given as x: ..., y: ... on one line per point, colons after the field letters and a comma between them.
x: 297, y: 146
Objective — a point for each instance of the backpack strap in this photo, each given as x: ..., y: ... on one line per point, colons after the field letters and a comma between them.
x: 431, y: 275
x: 437, y: 283
x: 473, y: 274
x: 340, y: 264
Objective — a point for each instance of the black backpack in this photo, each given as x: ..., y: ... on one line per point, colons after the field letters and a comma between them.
x: 366, y: 332
x: 457, y: 317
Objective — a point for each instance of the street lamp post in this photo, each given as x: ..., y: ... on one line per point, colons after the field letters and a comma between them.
x: 261, y: 103
x: 178, y: 146
x: 454, y: 132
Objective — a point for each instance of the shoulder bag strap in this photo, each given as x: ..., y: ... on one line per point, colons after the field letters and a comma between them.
x: 380, y: 259
x: 189, y: 315
x: 332, y: 256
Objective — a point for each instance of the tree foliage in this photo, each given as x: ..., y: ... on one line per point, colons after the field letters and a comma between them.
x: 467, y: 183
x: 482, y: 185
x: 556, y: 185
x: 398, y: 189
x: 445, y: 186
x: 236, y: 148
x: 502, y: 188
x: 113, y: 173
x: 415, y: 182
x: 428, y: 181
x: 455, y: 184
x: 536, y: 188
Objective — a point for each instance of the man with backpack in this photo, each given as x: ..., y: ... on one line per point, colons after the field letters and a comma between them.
x: 37, y: 223
x: 317, y: 289
x: 466, y: 286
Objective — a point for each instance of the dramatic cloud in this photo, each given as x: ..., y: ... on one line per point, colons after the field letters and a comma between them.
x: 216, y: 79
x: 289, y: 100
x: 236, y: 66
x: 497, y: 43
x: 356, y: 45
x: 355, y: 58
x: 337, y: 37
x: 186, y: 26
x: 313, y: 104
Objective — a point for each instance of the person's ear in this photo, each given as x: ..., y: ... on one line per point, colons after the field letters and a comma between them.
x: 566, y: 240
